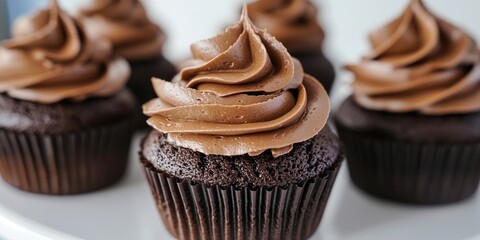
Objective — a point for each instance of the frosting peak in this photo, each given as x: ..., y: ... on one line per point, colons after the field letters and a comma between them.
x: 419, y: 63
x: 292, y: 22
x: 246, y: 95
x: 244, y: 59
x: 50, y: 59
x: 126, y: 25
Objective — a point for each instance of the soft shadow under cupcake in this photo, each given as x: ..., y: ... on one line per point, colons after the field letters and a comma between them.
x: 359, y: 215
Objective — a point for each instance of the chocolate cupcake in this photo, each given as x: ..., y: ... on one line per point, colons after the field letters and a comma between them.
x: 411, y: 128
x: 294, y: 23
x: 65, y: 119
x: 126, y: 25
x: 240, y: 149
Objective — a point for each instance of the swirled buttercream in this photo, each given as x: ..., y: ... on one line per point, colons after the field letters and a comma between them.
x: 292, y: 22
x: 419, y: 63
x: 247, y: 95
x: 50, y: 59
x: 126, y: 25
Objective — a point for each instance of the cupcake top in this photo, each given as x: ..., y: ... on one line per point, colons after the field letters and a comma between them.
x: 292, y: 22
x: 50, y: 59
x: 420, y: 63
x: 246, y: 95
x: 126, y: 25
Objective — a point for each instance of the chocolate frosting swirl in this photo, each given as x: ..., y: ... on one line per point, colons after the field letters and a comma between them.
x: 246, y: 95
x: 126, y: 25
x: 292, y: 22
x: 50, y: 59
x: 420, y: 63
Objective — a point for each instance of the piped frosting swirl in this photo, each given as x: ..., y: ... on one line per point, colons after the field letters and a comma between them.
x: 246, y: 95
x: 126, y: 25
x: 50, y: 59
x: 420, y: 63
x: 292, y: 22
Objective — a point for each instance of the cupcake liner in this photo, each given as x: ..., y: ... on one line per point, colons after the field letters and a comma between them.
x: 65, y: 164
x: 412, y: 172
x: 199, y: 211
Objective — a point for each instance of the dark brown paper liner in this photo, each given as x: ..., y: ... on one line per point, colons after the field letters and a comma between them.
x: 420, y: 173
x: 65, y: 164
x: 198, y: 211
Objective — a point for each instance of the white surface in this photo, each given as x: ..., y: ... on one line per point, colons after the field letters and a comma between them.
x: 127, y: 211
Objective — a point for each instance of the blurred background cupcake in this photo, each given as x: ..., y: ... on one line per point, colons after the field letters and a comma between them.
x: 65, y: 119
x: 135, y: 37
x: 412, y: 125
x: 12, y: 9
x: 294, y: 23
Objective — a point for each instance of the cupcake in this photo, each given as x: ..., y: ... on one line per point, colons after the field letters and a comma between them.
x: 240, y: 149
x: 294, y: 23
x: 412, y: 126
x: 65, y: 119
x: 133, y: 36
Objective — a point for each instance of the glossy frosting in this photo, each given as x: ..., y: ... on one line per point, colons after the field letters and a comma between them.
x: 126, y: 24
x: 419, y: 63
x: 246, y: 95
x: 292, y: 22
x: 50, y: 59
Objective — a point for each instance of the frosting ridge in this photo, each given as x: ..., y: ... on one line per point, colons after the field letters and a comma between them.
x: 292, y: 22
x: 126, y: 25
x: 420, y: 63
x: 50, y: 59
x: 245, y: 96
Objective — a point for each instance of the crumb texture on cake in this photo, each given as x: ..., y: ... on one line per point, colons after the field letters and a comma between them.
x: 412, y: 126
x: 66, y: 116
x: 308, y: 159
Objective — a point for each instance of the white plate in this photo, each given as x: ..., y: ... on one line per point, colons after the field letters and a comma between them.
x: 127, y: 211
